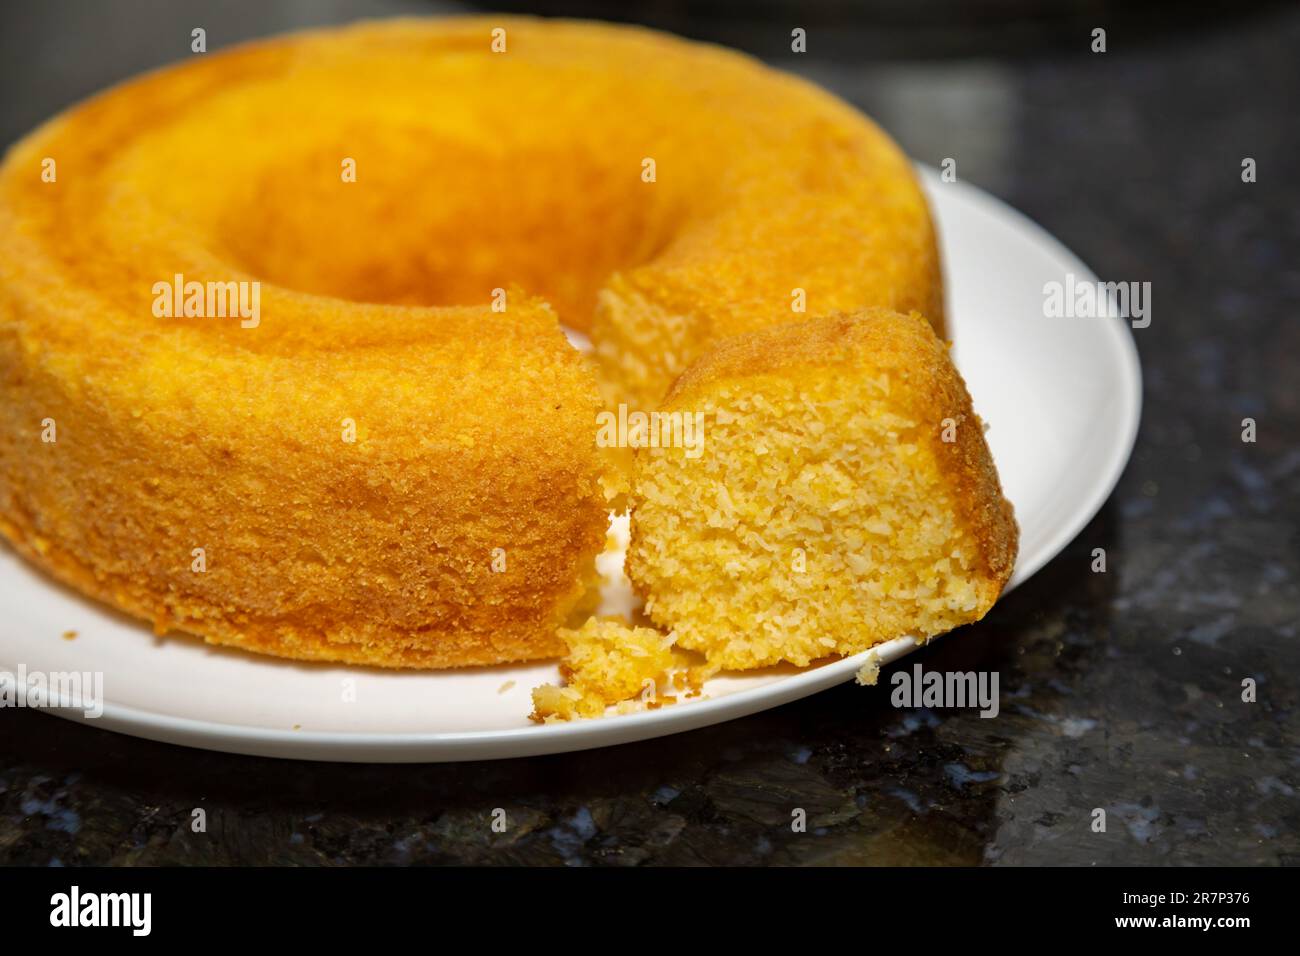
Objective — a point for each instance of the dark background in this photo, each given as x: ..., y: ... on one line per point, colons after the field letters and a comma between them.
x: 1120, y: 690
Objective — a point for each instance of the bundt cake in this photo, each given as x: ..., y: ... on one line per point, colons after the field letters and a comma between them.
x: 844, y: 496
x: 281, y: 362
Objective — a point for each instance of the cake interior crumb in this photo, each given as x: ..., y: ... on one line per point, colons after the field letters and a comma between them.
x: 611, y: 664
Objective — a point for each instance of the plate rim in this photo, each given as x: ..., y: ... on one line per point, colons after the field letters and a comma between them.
x: 527, y: 741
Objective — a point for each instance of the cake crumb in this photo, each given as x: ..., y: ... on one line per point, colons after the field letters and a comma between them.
x: 69, y: 635
x: 612, y: 664
x: 869, y: 672
x: 506, y: 687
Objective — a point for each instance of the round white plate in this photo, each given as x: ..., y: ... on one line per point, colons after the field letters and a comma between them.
x: 1061, y: 397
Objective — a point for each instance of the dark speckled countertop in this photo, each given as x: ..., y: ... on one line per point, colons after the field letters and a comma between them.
x: 1119, y: 690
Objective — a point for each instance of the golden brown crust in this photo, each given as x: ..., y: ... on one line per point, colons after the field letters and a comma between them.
x: 379, y: 551
x: 176, y: 434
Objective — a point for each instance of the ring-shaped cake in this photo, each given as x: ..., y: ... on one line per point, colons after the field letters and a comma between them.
x: 281, y: 358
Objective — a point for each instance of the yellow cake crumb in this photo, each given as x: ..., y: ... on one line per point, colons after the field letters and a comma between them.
x: 869, y: 672
x: 612, y: 664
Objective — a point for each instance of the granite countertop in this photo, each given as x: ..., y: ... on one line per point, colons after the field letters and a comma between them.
x: 1120, y: 690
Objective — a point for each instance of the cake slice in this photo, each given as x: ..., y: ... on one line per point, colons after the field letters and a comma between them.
x: 842, y: 495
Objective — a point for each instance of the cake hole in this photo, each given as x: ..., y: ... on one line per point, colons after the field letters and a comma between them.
x: 434, y: 222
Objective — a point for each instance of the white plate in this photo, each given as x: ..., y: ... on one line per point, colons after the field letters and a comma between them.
x: 1061, y: 396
